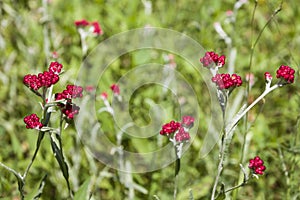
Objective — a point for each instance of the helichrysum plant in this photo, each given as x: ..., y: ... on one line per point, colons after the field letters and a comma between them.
x: 225, y: 84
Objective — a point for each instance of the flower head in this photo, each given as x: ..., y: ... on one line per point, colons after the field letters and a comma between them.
x: 182, y: 135
x: 70, y: 110
x: 115, y: 88
x: 71, y: 92
x: 170, y: 128
x: 187, y: 121
x: 257, y: 165
x: 225, y: 81
x: 89, y: 88
x: 212, y: 57
x: 96, y: 28
x: 33, y: 122
x: 286, y: 73
x: 45, y: 79
x: 104, y: 96
x: 81, y: 23
x: 55, y: 67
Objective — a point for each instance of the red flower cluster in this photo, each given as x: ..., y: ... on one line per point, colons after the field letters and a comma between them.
x: 170, y: 128
x: 45, y: 79
x: 70, y: 110
x: 178, y: 129
x: 81, y: 23
x: 96, y: 28
x: 212, y: 57
x: 71, y: 92
x: 55, y: 67
x: 286, y: 73
x: 268, y: 76
x: 104, y: 96
x: 33, y: 122
x: 187, y: 121
x: 182, y: 135
x: 115, y: 88
x: 225, y: 81
x: 257, y: 165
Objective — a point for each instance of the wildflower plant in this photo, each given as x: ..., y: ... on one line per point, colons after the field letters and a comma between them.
x: 225, y: 84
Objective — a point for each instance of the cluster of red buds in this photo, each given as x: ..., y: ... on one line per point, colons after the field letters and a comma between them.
x: 179, y: 129
x: 225, y: 81
x: 33, y: 122
x: 69, y: 109
x: 286, y: 73
x: 115, y: 89
x: 55, y: 67
x: 212, y: 57
x: 170, y: 128
x: 45, y: 79
x: 71, y: 92
x: 257, y: 165
x: 95, y: 26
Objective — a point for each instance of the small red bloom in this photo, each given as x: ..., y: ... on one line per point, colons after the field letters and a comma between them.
x: 211, y: 57
x: 221, y: 60
x: 81, y: 23
x: 286, y: 73
x: 55, y: 67
x: 187, y: 121
x: 257, y: 165
x: 71, y: 92
x: 89, y: 88
x: 70, y: 110
x: 225, y: 81
x: 32, y: 82
x: 33, y: 122
x: 170, y: 128
x: 104, y: 96
x: 115, y: 88
x: 182, y: 135
x: 45, y: 79
x: 97, y: 28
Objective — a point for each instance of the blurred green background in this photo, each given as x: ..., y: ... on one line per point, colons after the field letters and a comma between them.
x: 27, y: 27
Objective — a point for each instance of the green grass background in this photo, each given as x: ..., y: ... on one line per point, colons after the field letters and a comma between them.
x: 277, y: 126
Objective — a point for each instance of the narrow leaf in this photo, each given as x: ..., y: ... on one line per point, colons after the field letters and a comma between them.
x: 61, y: 161
x: 83, y: 191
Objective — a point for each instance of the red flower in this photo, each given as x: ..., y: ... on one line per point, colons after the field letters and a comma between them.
x: 170, y: 128
x: 187, y: 121
x: 96, y: 28
x: 115, y: 88
x: 32, y: 122
x: 71, y: 92
x: 182, y: 135
x: 104, y: 96
x: 257, y: 165
x: 286, y: 73
x: 55, y: 67
x: 225, y: 81
x: 81, y: 23
x: 45, y: 79
x: 211, y: 57
x: 70, y: 110
x: 89, y: 88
